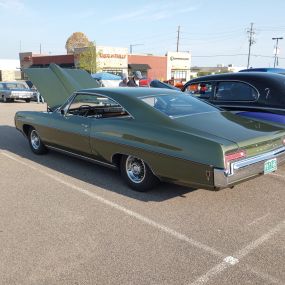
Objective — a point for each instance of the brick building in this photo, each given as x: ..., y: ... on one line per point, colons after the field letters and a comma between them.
x: 151, y: 66
x: 174, y: 65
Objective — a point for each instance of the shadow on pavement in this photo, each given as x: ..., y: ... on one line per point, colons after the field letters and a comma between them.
x: 13, y: 141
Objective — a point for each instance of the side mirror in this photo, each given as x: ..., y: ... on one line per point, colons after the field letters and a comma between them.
x: 62, y: 112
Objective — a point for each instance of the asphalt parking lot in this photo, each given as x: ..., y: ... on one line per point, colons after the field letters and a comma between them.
x: 67, y: 221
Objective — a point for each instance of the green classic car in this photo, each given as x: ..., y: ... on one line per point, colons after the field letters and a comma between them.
x: 150, y: 134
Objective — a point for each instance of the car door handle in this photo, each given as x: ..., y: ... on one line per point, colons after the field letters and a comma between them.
x: 84, y: 125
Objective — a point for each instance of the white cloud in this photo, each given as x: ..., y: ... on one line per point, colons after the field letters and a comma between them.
x: 12, y: 5
x: 152, y: 12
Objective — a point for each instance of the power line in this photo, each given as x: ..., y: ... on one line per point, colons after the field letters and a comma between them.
x: 237, y: 54
x: 178, y: 37
x: 276, y: 50
x: 133, y: 45
x: 227, y: 32
x: 251, y: 41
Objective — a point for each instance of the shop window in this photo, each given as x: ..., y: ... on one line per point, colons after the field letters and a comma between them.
x: 179, y: 75
x: 118, y: 72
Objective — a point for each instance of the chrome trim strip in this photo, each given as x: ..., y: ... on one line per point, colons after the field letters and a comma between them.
x: 235, y: 80
x: 250, y: 108
x: 182, y: 116
x: 246, y: 169
x: 220, y: 178
x: 245, y: 162
x: 224, y: 80
x: 81, y: 156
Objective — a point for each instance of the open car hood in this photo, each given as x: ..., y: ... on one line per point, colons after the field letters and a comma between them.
x: 56, y: 84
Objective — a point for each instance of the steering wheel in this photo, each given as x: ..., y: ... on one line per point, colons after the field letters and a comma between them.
x: 83, y: 110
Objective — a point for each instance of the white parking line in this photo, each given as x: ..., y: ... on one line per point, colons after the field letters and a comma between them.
x: 239, y: 255
x: 278, y: 175
x: 126, y: 211
x: 258, y: 219
x: 265, y: 276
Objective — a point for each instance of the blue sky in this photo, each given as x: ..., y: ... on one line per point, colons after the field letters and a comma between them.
x: 214, y: 31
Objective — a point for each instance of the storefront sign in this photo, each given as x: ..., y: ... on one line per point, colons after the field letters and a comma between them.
x: 179, y: 58
x: 27, y: 59
x: 114, y: 55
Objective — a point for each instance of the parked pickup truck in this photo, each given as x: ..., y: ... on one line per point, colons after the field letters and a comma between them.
x: 9, y: 91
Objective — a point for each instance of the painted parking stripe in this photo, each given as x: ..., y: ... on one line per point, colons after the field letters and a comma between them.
x: 257, y: 220
x: 126, y: 211
x: 269, y: 279
x: 238, y: 255
x: 277, y: 175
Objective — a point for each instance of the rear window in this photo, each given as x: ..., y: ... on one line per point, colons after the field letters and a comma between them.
x: 16, y: 85
x: 178, y: 105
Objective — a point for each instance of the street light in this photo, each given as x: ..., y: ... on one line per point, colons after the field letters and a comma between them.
x: 276, y: 49
x: 133, y: 45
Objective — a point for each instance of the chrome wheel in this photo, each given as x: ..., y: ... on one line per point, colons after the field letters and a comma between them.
x: 136, y: 169
x: 35, y: 140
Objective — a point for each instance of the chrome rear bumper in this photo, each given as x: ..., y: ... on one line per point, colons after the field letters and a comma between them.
x: 246, y: 168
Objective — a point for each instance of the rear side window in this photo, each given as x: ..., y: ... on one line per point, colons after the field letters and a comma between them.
x: 201, y: 89
x: 16, y: 85
x: 235, y: 91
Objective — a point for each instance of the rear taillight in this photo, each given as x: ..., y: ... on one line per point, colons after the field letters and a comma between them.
x: 234, y: 156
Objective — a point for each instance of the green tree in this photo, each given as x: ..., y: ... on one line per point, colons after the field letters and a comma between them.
x: 203, y: 73
x: 88, y: 58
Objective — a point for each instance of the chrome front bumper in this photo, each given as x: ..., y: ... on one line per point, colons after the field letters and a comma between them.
x: 246, y: 168
x: 20, y: 96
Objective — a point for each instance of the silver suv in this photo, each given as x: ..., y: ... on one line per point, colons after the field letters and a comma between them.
x: 9, y: 91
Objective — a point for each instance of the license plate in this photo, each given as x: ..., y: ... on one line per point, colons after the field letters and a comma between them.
x: 270, y: 165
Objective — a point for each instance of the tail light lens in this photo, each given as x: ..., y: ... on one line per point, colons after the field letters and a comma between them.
x: 234, y: 156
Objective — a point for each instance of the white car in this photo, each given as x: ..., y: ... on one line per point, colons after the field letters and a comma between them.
x: 9, y: 91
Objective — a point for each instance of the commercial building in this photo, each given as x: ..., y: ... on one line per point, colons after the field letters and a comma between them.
x: 179, y: 66
x: 112, y: 59
x: 9, y: 69
x: 116, y: 60
x: 220, y: 68
x: 108, y: 59
x: 29, y: 59
x: 150, y: 66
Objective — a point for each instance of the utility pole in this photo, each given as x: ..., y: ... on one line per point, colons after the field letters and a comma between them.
x: 133, y: 45
x: 178, y: 38
x: 276, y: 50
x: 251, y: 41
x: 40, y: 48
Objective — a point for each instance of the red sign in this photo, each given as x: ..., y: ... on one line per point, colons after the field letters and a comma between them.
x: 114, y: 55
x: 27, y: 59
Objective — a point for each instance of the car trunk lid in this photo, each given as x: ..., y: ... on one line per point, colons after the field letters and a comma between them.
x: 253, y: 136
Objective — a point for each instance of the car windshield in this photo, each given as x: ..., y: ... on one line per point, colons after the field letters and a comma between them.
x: 16, y: 85
x: 178, y: 105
